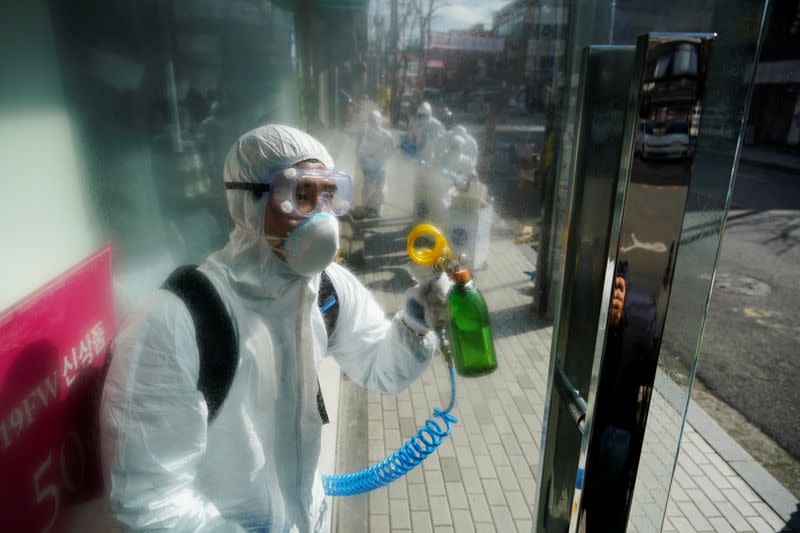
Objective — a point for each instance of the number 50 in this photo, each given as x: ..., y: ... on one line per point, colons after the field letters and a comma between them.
x: 51, y: 491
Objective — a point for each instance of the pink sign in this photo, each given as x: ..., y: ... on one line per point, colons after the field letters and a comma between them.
x: 53, y: 347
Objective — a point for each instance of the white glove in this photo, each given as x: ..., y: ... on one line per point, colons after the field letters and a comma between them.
x: 422, y: 274
x: 426, y: 304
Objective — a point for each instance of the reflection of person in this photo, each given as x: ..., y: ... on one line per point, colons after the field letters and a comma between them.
x: 253, y: 466
x: 622, y: 400
x: 374, y: 150
x: 617, y: 301
x: 209, y: 136
x: 184, y: 187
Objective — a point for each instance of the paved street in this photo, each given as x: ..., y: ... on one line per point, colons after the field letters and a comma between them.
x: 751, y: 348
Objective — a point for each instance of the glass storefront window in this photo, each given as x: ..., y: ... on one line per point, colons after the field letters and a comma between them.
x: 118, y: 120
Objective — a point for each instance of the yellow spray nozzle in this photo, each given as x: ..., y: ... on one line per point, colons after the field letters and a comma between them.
x: 424, y: 255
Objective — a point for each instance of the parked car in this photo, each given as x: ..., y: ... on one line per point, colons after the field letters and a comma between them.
x: 479, y: 102
x: 671, y: 142
x: 645, y: 128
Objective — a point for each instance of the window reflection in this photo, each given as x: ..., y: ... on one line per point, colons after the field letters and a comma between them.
x: 158, y: 91
x: 672, y: 90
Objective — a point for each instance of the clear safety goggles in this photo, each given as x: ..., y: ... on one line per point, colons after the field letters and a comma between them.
x: 304, y: 192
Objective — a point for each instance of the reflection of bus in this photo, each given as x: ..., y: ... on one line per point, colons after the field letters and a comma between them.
x: 670, y: 142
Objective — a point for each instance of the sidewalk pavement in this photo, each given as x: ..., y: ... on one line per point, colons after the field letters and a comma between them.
x: 483, y: 477
x: 770, y: 157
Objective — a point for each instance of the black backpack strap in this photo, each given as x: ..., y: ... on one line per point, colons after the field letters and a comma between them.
x: 216, y: 336
x: 217, y: 341
x: 328, y: 302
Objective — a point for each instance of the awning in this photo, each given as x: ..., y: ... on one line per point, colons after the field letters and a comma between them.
x: 291, y: 5
x: 339, y: 4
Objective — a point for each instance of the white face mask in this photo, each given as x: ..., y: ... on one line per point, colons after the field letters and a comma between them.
x: 312, y: 245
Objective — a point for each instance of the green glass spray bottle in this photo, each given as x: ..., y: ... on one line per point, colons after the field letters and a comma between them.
x: 470, y: 332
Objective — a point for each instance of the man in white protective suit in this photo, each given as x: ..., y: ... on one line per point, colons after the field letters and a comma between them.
x: 426, y: 133
x: 180, y: 455
x: 456, y: 163
x: 470, y: 146
x: 374, y: 150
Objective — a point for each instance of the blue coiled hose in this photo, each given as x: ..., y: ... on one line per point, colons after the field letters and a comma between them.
x: 395, y: 466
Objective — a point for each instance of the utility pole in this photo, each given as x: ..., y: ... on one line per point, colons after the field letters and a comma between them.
x: 394, y: 37
x: 379, y: 38
x: 302, y: 23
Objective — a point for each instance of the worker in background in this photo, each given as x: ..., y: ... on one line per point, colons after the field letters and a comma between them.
x: 470, y: 148
x: 455, y: 163
x: 426, y: 133
x: 374, y: 150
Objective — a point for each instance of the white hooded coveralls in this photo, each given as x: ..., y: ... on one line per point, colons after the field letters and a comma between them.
x: 254, y: 467
x: 470, y: 148
x: 375, y: 147
x: 426, y: 134
x: 456, y: 163
x: 374, y: 150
